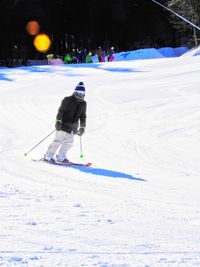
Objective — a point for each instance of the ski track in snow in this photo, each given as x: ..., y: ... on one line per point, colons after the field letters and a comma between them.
x: 143, y: 122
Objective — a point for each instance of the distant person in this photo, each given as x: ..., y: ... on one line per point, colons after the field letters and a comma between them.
x: 110, y: 53
x: 99, y: 54
x: 70, y: 120
x: 74, y: 58
x: 79, y: 56
x: 88, y: 58
x: 83, y: 55
x: 68, y: 59
x: 49, y: 58
x: 103, y: 56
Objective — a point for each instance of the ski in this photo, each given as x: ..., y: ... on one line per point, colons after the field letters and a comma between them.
x: 87, y: 164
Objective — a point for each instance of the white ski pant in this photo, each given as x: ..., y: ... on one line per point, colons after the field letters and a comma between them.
x: 61, y: 144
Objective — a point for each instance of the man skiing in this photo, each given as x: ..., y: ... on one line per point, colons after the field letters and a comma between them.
x: 70, y: 120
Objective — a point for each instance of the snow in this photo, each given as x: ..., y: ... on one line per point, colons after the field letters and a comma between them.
x: 139, y: 203
x: 148, y: 53
x: 192, y: 52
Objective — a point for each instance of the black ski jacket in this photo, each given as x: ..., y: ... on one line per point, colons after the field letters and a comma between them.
x: 72, y: 112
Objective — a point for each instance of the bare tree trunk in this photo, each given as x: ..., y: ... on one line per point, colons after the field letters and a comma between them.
x: 195, y: 37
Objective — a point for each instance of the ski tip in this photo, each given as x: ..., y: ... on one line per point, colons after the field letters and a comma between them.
x: 88, y: 164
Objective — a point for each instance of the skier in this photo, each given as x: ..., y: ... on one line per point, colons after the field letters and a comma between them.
x: 88, y: 58
x: 110, y: 54
x: 50, y: 59
x: 68, y: 59
x: 71, y: 115
x: 99, y: 54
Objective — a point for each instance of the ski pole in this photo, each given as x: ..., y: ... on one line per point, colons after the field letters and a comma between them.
x: 26, y: 153
x: 81, y: 148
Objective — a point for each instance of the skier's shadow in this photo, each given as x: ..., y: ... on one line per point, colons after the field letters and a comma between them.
x: 108, y: 173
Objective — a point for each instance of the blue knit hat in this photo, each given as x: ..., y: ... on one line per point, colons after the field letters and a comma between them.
x: 80, y: 87
x: 79, y: 91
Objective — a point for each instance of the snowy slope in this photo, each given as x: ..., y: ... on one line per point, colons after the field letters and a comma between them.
x: 139, y: 204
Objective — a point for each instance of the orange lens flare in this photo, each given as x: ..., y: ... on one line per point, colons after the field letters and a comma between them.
x: 33, y: 27
x: 42, y: 42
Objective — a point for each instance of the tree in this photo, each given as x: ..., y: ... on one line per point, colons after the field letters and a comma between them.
x: 190, y: 10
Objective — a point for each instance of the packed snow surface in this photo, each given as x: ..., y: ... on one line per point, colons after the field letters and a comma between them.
x: 138, y: 205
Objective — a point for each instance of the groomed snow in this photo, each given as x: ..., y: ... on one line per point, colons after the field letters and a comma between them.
x: 138, y: 205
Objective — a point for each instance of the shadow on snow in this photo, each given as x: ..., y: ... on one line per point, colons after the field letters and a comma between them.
x: 64, y: 70
x: 3, y: 77
x: 105, y: 172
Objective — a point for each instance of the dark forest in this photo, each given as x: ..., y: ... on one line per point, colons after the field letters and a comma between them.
x: 124, y: 24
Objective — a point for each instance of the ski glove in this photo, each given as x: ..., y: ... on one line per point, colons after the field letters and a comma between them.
x: 58, y: 125
x: 81, y: 131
